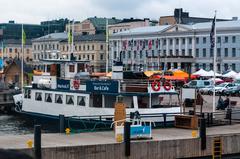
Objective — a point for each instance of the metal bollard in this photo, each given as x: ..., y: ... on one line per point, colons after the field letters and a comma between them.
x: 202, y: 133
x: 165, y: 120
x: 61, y: 123
x: 37, y: 142
x: 229, y: 115
x: 127, y: 139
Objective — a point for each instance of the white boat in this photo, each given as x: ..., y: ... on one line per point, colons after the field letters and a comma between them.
x: 63, y: 93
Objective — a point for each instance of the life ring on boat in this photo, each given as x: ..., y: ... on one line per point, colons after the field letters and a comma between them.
x: 167, y: 86
x: 156, y: 86
x: 76, y: 84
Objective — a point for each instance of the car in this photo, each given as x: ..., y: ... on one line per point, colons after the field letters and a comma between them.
x: 206, y: 90
x: 233, y: 91
x: 198, y: 84
x: 222, y: 88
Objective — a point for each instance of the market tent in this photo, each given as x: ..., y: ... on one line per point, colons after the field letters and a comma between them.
x: 175, y: 78
x: 109, y: 74
x: 180, y: 73
x: 230, y: 74
x: 150, y: 73
x: 237, y: 76
x: 216, y: 74
x: 200, y: 72
x: 216, y: 79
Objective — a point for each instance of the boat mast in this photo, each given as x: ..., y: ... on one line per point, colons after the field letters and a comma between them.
x: 106, y: 45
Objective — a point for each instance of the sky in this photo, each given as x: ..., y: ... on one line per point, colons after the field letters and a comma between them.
x: 35, y: 11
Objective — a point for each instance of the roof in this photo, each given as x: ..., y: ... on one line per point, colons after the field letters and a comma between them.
x: 16, y: 41
x: 197, y: 26
x: 52, y: 37
x: 93, y: 37
x: 100, y: 23
x: 142, y: 30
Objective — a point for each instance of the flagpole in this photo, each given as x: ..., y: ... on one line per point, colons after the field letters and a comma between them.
x: 72, y: 36
x: 22, y: 58
x: 214, y: 64
x: 106, y: 45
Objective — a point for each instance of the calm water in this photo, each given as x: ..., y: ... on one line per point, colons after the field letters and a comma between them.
x: 17, y: 125
x: 12, y: 124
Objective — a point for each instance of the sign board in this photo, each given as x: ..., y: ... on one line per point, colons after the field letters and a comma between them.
x: 188, y: 93
x: 139, y: 131
x: 100, y: 86
x: 63, y: 84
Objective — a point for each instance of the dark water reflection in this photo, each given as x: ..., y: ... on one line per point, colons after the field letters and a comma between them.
x: 18, y: 125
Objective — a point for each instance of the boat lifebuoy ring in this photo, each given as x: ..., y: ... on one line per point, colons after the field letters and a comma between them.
x: 167, y: 86
x: 156, y: 86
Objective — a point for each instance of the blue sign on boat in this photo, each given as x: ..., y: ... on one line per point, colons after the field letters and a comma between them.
x: 139, y: 131
x: 102, y: 86
x: 63, y: 84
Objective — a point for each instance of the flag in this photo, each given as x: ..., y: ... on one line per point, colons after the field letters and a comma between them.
x: 70, y: 36
x: 212, y: 34
x: 23, y: 37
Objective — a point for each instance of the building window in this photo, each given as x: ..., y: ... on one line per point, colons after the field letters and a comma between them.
x: 226, y: 52
x: 164, y: 42
x: 218, y: 52
x: 88, y: 48
x: 101, y: 56
x: 218, y: 67
x: 219, y: 39
x: 233, y: 39
x: 183, y: 41
x: 211, y: 52
x: 83, y: 47
x: 171, y: 41
x: 135, y: 54
x: 59, y: 98
x: 92, y: 57
x: 79, y: 48
x: 189, y: 40
x: 81, y: 101
x: 204, y: 66
x: 101, y: 47
x: 183, y: 52
x: 226, y: 39
x: 141, y: 54
x: 10, y: 50
x: 92, y: 47
x: 48, y: 97
x: 177, y: 52
x: 233, y: 52
x: 197, y: 52
x: 171, y: 52
x: 115, y: 54
x: 234, y: 67
x: 225, y: 67
x: 190, y: 52
x: 204, y: 52
x: 129, y: 54
x: 70, y: 99
x: 38, y: 96
x: 177, y: 41
x: 71, y: 68
x: 197, y: 40
x: 204, y: 40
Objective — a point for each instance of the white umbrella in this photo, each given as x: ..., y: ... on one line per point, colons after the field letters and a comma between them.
x: 230, y: 74
x: 200, y: 72
x: 216, y: 79
x: 237, y: 76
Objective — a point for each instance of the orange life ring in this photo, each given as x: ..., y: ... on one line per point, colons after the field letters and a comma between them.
x: 156, y: 86
x: 167, y: 86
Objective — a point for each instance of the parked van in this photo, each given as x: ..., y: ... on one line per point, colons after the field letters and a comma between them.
x: 198, y: 84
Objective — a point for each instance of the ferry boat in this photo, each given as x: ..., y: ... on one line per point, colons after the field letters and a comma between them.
x: 68, y: 90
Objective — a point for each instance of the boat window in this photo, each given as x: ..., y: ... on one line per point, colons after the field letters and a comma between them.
x: 27, y: 93
x: 59, y: 98
x: 48, y: 97
x: 38, y: 96
x: 81, y: 100
x: 70, y: 99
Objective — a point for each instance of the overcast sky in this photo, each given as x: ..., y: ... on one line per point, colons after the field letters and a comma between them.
x: 34, y: 11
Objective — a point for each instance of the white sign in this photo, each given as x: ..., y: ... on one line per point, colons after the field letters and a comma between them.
x: 188, y: 93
